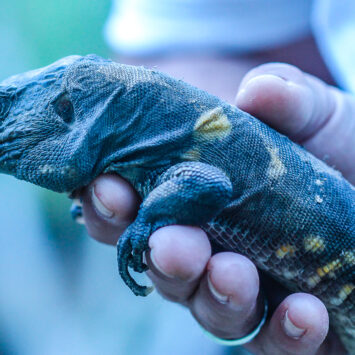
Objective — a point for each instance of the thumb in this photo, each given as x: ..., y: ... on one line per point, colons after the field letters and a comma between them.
x: 307, y: 110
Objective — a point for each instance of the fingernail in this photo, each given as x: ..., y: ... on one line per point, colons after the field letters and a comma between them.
x: 244, y: 92
x: 218, y: 296
x: 99, y: 206
x: 156, y: 265
x: 290, y: 329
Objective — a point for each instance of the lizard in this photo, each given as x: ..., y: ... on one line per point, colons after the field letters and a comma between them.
x: 194, y: 160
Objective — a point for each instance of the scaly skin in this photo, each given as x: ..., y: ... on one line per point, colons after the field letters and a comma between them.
x: 195, y: 160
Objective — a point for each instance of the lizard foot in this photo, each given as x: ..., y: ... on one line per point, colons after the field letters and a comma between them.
x: 130, y: 248
x: 76, y: 212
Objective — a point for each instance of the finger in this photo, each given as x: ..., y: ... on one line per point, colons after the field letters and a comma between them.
x: 110, y: 204
x: 298, y: 326
x: 310, y: 112
x: 226, y: 303
x: 177, y: 259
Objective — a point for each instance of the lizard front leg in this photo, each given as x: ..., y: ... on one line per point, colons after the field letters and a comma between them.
x: 188, y: 194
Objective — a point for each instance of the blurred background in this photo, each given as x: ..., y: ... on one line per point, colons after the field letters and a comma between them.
x: 59, y: 290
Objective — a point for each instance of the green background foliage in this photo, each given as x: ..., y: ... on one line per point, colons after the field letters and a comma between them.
x: 34, y: 33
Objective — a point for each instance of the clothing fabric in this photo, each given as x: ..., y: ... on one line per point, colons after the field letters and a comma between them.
x: 143, y: 27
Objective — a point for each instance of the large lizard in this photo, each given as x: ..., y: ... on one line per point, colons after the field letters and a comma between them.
x: 195, y: 160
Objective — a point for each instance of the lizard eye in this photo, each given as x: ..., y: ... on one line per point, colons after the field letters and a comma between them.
x: 63, y: 107
x: 5, y: 104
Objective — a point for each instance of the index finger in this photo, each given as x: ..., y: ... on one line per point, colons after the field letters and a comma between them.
x: 110, y: 204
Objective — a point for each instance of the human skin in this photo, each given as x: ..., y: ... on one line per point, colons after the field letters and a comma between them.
x: 221, y: 290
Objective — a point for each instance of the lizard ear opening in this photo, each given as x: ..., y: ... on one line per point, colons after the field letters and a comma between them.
x: 5, y: 103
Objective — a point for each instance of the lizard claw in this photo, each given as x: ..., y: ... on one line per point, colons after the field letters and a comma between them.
x: 130, y: 254
x: 136, y: 263
x: 139, y: 246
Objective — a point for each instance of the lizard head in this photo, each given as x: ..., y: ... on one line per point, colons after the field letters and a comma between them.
x: 64, y: 124
x: 42, y: 126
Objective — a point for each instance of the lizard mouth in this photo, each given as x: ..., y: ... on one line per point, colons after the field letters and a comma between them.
x: 10, y: 150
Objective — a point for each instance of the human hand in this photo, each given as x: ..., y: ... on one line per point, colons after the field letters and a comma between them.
x: 222, y: 290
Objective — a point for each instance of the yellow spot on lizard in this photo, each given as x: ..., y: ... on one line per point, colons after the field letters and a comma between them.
x: 326, y: 270
x: 50, y: 169
x: 313, y: 280
x: 284, y: 250
x: 276, y: 168
x: 68, y: 170
x: 46, y: 169
x: 329, y: 268
x: 192, y: 155
x: 349, y: 257
x: 314, y: 243
x: 289, y: 275
x: 318, y: 199
x: 343, y: 294
x: 213, y: 124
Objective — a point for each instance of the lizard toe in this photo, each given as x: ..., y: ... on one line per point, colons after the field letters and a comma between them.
x: 129, y: 256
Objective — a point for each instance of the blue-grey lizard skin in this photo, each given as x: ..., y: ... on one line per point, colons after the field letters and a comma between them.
x: 195, y: 160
